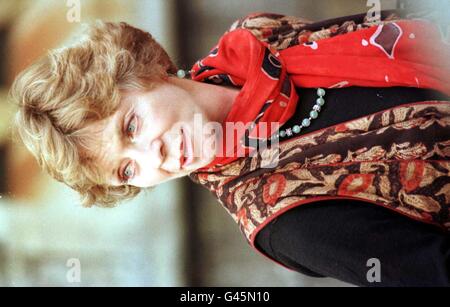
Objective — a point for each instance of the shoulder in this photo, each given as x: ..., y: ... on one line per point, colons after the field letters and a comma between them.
x: 275, y: 29
x: 266, y: 20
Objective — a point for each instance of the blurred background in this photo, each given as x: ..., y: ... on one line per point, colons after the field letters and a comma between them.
x: 177, y: 235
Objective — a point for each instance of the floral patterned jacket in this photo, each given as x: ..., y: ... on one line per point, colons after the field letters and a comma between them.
x: 397, y: 158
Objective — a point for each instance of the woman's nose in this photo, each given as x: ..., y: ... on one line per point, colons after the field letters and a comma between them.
x: 157, y: 151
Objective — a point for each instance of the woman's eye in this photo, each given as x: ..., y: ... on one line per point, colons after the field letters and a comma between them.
x: 132, y: 126
x: 128, y: 172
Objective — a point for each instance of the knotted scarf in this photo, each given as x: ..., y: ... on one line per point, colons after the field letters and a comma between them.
x: 409, y: 53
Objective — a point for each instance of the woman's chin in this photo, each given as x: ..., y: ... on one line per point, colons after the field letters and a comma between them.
x: 198, y: 163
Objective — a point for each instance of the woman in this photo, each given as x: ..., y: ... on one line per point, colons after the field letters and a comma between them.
x: 367, y: 180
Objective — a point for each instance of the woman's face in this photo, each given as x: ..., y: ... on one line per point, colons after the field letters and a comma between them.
x: 142, y: 141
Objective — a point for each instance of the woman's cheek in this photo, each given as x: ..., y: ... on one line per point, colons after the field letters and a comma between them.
x: 145, y: 178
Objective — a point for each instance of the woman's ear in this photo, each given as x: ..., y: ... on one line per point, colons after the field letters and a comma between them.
x: 166, y: 77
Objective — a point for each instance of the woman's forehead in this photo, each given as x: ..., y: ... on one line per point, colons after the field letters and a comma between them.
x: 101, y: 139
x: 104, y: 143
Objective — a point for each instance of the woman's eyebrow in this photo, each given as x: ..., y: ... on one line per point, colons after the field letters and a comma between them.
x: 120, y: 130
x: 114, y: 173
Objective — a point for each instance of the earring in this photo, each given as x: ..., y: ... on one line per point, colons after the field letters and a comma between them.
x: 181, y: 73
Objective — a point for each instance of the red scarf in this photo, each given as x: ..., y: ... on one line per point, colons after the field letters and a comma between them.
x: 407, y: 53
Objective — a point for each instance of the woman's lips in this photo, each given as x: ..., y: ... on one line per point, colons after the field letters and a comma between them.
x: 187, y: 154
x: 181, y: 150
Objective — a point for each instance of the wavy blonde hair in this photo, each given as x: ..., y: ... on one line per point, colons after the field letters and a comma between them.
x: 74, y: 86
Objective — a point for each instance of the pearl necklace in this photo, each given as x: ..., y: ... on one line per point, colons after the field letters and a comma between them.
x: 306, y: 121
x: 313, y: 114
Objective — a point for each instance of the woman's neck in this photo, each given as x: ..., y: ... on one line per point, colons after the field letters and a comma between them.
x: 216, y: 100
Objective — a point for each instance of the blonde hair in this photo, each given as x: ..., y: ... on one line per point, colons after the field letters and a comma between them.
x: 74, y: 86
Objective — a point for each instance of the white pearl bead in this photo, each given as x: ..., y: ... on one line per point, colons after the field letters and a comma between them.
x: 181, y: 73
x: 313, y: 114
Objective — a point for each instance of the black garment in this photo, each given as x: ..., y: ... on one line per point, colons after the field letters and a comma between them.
x: 352, y: 102
x: 336, y: 238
